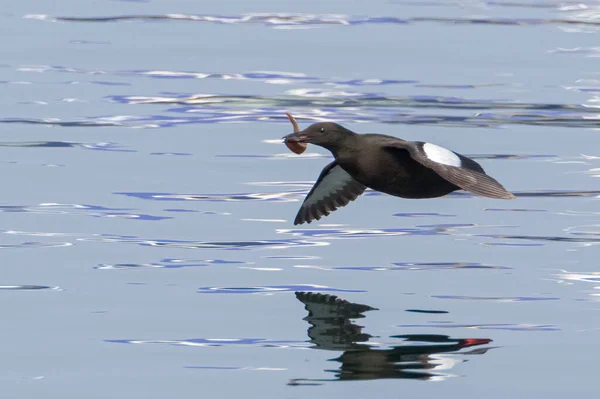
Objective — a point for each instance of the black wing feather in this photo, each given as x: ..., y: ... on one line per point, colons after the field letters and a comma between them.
x: 333, y: 189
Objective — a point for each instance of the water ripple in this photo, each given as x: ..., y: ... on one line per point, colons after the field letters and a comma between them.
x: 29, y: 287
x: 234, y: 368
x: 513, y: 210
x: 271, y: 289
x: 505, y: 244
x: 427, y: 311
x: 171, y: 154
x: 287, y: 155
x: 542, y: 239
x: 493, y: 326
x: 496, y: 298
x: 271, y: 197
x: 225, y: 245
x: 286, y: 20
x: 36, y: 245
x: 557, y: 193
x: 571, y: 277
x: 436, y: 229
x: 167, y: 263
x: 218, y: 342
x: 336, y: 99
x: 367, y: 115
x: 66, y: 144
x: 38, y: 233
x: 403, y: 266
x: 421, y: 214
x: 80, y: 209
x: 90, y: 122
x: 268, y: 77
x: 313, y: 105
x: 296, y: 195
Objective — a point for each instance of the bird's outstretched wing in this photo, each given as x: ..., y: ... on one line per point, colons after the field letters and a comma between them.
x: 451, y: 166
x: 333, y: 189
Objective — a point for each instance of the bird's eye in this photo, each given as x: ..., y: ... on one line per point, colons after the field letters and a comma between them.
x: 322, y: 130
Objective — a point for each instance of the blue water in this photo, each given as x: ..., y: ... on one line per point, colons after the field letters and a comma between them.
x: 146, y: 233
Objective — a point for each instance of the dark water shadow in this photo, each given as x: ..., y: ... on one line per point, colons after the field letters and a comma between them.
x: 417, y: 356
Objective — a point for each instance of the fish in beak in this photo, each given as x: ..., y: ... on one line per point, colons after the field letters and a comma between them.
x: 296, y: 142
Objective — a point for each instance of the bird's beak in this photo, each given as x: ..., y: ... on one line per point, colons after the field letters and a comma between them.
x: 295, y: 138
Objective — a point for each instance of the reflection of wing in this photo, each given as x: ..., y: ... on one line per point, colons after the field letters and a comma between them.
x: 333, y: 189
x: 451, y: 166
x: 329, y: 317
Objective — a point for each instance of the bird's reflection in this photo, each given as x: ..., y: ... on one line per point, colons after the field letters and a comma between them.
x: 420, y: 356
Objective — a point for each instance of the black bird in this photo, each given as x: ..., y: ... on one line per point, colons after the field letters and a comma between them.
x: 407, y: 169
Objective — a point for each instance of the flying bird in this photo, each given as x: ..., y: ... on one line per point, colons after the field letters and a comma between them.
x: 406, y: 169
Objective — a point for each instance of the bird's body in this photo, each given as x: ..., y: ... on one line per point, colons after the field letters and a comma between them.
x: 407, y: 169
x: 391, y: 171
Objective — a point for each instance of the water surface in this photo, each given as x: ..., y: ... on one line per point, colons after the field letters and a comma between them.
x: 147, y: 209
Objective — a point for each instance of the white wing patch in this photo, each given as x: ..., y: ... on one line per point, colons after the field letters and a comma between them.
x: 336, y: 179
x: 441, y: 155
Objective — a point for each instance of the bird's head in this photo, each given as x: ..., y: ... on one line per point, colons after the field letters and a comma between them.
x: 325, y: 134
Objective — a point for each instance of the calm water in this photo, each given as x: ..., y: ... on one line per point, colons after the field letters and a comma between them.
x: 146, y: 231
